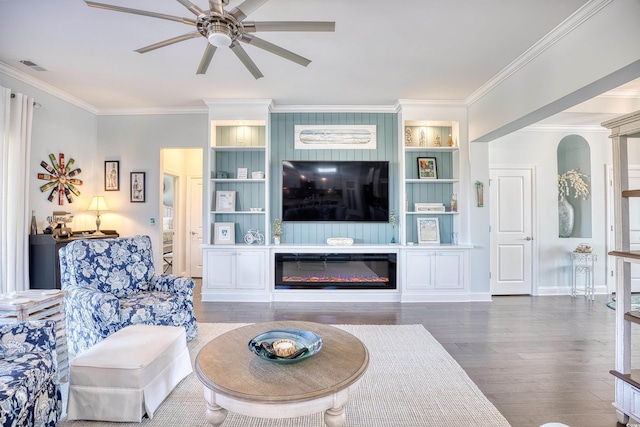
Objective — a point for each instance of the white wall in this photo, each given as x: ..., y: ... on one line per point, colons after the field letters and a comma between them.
x: 136, y: 142
x: 539, y: 147
x: 60, y: 127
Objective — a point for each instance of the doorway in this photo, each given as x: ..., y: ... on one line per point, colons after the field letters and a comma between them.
x: 181, y: 209
x: 512, y: 231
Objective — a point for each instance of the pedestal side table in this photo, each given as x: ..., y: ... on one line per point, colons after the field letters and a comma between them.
x: 583, y: 264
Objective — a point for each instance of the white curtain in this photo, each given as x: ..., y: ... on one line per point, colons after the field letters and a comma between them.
x: 16, y: 115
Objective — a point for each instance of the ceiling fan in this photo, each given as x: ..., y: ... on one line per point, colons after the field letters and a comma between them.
x: 227, y: 29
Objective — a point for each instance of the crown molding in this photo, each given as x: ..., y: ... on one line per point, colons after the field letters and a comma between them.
x: 150, y: 111
x: 565, y: 128
x: 333, y: 109
x: 39, y: 84
x: 582, y: 15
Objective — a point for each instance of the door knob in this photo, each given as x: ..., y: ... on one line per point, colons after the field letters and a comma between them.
x: 193, y: 233
x: 528, y: 239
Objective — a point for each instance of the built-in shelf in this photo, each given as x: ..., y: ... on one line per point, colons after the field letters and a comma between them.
x: 431, y: 181
x: 631, y: 193
x: 240, y: 148
x: 632, y: 316
x: 237, y: 180
x: 448, y: 149
x: 432, y: 213
x: 237, y: 212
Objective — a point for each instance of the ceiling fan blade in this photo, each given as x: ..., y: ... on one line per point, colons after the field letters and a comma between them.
x: 245, y: 8
x: 192, y: 7
x: 277, y: 50
x: 248, y: 62
x: 252, y: 27
x: 216, y: 6
x: 206, y: 59
x: 140, y: 12
x: 168, y: 42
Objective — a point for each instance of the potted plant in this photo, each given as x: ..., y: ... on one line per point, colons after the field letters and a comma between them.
x: 277, y: 230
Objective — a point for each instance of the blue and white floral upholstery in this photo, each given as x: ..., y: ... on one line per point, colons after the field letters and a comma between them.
x: 111, y: 283
x: 29, y: 386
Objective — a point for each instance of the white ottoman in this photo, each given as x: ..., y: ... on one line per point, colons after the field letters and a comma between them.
x: 128, y: 374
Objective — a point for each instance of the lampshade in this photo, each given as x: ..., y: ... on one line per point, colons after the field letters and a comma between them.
x: 98, y: 204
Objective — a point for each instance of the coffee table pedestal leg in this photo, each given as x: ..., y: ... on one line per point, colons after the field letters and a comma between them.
x: 216, y: 414
x: 335, y: 417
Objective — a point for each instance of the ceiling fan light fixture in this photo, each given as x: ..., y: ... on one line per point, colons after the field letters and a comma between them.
x: 219, y: 35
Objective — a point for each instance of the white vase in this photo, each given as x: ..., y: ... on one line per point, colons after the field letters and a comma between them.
x: 565, y: 217
x: 276, y: 240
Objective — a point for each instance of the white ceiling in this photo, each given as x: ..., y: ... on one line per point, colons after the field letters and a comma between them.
x: 380, y: 52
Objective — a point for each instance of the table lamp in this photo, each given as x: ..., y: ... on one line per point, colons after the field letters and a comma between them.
x: 98, y: 204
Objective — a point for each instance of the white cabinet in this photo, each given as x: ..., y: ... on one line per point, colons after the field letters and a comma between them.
x: 235, y: 273
x: 440, y: 272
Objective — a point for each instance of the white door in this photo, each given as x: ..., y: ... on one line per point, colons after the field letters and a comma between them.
x: 194, y: 213
x: 511, y: 232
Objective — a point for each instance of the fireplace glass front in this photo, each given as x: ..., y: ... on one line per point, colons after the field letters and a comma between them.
x: 335, y: 271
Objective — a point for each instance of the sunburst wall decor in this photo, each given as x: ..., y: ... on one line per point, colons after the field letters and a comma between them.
x: 62, y: 181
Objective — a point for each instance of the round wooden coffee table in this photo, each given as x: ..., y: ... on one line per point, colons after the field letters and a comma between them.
x: 237, y: 380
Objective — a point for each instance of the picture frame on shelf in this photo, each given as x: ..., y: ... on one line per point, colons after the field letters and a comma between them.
x: 428, y: 231
x: 427, y: 168
x: 224, y: 233
x: 138, y: 187
x: 429, y: 207
x: 243, y: 173
x: 225, y: 201
x: 112, y: 175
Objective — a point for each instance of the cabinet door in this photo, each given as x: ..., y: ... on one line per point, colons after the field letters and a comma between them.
x: 448, y: 270
x: 250, y: 270
x: 419, y: 270
x: 219, y: 270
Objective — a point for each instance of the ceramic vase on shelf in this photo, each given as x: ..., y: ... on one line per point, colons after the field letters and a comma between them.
x: 565, y: 217
x: 276, y: 240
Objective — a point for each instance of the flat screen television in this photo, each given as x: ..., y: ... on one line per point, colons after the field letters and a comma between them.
x: 331, y: 190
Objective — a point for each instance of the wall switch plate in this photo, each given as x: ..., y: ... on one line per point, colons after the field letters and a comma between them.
x: 152, y: 221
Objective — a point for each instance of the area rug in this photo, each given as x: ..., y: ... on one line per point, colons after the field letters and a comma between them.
x: 635, y: 302
x: 413, y: 382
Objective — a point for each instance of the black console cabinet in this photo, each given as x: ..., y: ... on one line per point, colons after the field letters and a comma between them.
x: 44, y: 262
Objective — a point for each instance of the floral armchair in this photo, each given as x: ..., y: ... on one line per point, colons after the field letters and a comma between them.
x: 111, y: 283
x: 29, y: 386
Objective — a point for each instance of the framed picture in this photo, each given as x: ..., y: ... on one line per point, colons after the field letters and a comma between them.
x: 225, y: 201
x: 429, y: 207
x: 242, y: 173
x: 427, y: 168
x: 335, y: 137
x: 112, y: 175
x: 138, y: 185
x: 428, y: 231
x: 224, y: 233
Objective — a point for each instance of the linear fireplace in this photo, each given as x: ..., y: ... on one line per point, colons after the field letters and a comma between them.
x: 335, y: 271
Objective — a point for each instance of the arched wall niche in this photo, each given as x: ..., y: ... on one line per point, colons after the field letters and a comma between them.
x: 574, y: 153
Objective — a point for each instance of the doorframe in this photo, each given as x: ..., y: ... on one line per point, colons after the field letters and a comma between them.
x: 533, y: 169
x: 188, y: 213
x: 178, y: 237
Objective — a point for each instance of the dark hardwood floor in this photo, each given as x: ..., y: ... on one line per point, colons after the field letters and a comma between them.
x: 537, y: 359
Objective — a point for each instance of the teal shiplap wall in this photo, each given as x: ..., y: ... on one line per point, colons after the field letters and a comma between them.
x: 282, y: 141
